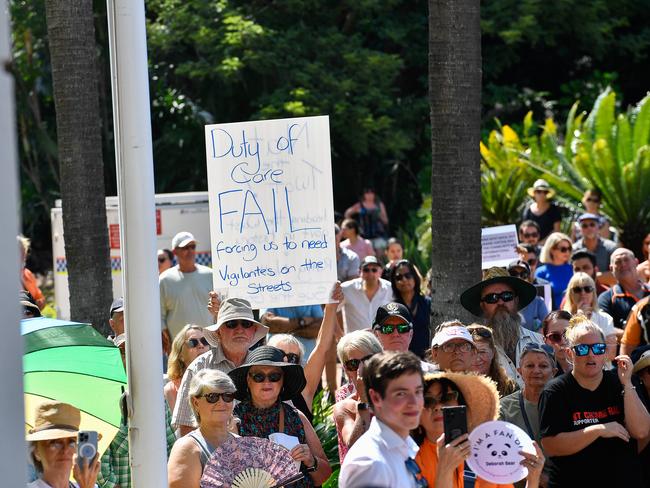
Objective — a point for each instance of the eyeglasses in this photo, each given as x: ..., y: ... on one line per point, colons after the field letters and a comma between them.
x: 555, y: 337
x: 405, y: 276
x: 521, y: 274
x: 581, y: 289
x: 61, y: 444
x: 530, y: 235
x: 456, y: 346
x: 413, y: 469
x: 292, y: 357
x: 389, y: 329
x: 214, y: 397
x: 353, y: 364
x: 484, y: 333
x: 563, y: 248
x: 588, y: 224
x: 261, y: 377
x: 192, y: 343
x: 583, y: 349
x: 232, y: 324
x: 504, y: 296
x: 371, y: 269
x: 432, y: 402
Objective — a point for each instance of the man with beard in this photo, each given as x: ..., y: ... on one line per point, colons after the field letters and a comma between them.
x: 497, y: 300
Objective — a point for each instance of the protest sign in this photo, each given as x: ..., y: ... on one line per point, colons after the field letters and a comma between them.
x: 272, y: 211
x: 498, y: 245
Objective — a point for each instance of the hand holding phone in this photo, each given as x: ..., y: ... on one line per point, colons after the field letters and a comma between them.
x: 454, y: 420
x: 86, y: 447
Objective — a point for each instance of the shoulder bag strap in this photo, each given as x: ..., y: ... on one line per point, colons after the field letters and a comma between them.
x: 522, y: 406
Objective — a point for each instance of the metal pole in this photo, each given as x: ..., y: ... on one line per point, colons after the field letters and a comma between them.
x: 135, y: 183
x: 13, y: 455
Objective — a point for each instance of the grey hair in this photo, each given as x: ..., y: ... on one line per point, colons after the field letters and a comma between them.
x: 362, y: 340
x: 277, y: 339
x: 209, y: 379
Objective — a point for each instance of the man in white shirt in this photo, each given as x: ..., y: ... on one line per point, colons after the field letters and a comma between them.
x: 364, y: 295
x: 383, y: 457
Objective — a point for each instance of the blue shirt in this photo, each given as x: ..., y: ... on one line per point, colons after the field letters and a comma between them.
x: 558, y: 276
x: 314, y: 311
x: 534, y: 314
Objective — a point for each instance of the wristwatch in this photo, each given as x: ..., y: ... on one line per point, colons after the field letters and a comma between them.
x: 301, y: 322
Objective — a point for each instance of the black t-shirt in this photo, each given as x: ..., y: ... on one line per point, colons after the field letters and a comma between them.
x: 565, y: 406
x: 545, y: 221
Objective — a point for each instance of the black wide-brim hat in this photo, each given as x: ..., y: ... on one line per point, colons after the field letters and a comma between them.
x: 470, y: 299
x: 293, y: 380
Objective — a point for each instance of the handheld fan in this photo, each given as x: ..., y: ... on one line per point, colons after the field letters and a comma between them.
x: 248, y: 462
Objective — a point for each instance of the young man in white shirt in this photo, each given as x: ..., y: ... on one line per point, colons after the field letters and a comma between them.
x: 383, y: 457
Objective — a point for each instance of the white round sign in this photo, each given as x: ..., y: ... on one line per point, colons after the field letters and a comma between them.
x: 495, y: 452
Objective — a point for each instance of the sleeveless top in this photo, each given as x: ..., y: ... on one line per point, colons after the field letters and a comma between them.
x: 204, y: 446
x: 260, y: 422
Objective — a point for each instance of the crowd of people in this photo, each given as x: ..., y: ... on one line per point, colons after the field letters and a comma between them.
x: 574, y: 373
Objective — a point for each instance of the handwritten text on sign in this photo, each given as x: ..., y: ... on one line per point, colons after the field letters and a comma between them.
x: 272, y: 211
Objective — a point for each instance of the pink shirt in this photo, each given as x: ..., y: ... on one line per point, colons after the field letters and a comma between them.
x: 363, y: 247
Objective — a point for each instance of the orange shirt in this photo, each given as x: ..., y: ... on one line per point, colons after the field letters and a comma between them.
x: 29, y: 282
x: 427, y: 459
x: 635, y: 332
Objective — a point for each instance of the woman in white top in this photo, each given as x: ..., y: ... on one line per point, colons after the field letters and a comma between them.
x: 581, y: 297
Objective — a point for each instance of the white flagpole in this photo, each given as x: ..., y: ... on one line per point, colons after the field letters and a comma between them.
x: 135, y: 183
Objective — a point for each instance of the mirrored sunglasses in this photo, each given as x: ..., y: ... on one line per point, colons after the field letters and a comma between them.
x: 598, y: 349
x: 389, y: 329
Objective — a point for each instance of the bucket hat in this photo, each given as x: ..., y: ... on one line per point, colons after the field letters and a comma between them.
x: 541, y: 184
x: 294, y: 377
x: 234, y: 309
x: 470, y: 299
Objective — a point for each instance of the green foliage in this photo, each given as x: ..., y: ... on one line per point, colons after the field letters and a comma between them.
x: 323, y: 422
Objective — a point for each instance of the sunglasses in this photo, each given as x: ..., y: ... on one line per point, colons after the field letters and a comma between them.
x: 413, y: 469
x: 504, y: 296
x: 389, y: 329
x: 580, y: 289
x: 432, y: 402
x: 60, y: 444
x: 593, y: 200
x: 232, y: 324
x: 192, y: 343
x: 541, y: 191
x: 449, y: 347
x: 588, y: 224
x: 529, y: 235
x: 405, y: 276
x: 353, y: 364
x: 563, y: 249
x: 484, y: 333
x: 371, y: 269
x: 522, y: 274
x: 583, y: 349
x: 292, y: 357
x: 555, y: 337
x: 214, y: 397
x: 261, y: 377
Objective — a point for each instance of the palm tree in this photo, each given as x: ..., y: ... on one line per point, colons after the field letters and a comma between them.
x: 455, y: 99
x: 72, y: 45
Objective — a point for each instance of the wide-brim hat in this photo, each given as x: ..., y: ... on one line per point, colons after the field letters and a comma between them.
x: 234, y: 309
x: 54, y: 420
x: 642, y: 360
x: 294, y: 377
x: 541, y: 184
x: 470, y: 299
x: 480, y: 393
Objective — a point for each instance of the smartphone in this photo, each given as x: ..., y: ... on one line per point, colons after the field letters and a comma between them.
x: 86, y: 447
x: 454, y: 420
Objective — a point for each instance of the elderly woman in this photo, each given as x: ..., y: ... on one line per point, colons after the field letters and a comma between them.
x: 262, y: 383
x: 405, y: 280
x: 351, y: 413
x: 442, y: 463
x: 487, y: 359
x: 211, y: 398
x: 53, y: 446
x: 555, y: 267
x: 188, y: 344
x: 590, y: 418
x: 581, y: 296
x: 553, y: 327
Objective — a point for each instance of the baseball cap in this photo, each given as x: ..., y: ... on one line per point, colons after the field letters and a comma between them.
x: 589, y: 216
x: 447, y: 334
x: 392, y: 309
x: 117, y: 306
x: 519, y: 263
x: 369, y: 260
x: 182, y: 239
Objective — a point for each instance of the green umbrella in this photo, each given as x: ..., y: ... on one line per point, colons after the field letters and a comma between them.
x: 73, y: 363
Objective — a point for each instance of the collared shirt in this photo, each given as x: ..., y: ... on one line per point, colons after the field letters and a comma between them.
x: 358, y: 311
x: 618, y: 303
x: 525, y: 336
x: 378, y: 459
x: 213, y: 359
x: 347, y: 265
x: 114, y: 470
x: 603, y: 251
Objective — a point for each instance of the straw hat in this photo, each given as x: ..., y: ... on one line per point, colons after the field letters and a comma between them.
x: 294, y: 377
x: 641, y: 358
x: 54, y: 420
x: 470, y: 299
x: 480, y: 393
x: 541, y: 185
x: 234, y: 309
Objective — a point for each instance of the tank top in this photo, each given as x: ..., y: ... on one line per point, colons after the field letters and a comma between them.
x: 204, y: 446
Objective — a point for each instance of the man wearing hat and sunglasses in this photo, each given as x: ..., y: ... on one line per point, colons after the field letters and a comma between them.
x: 230, y: 339
x: 498, y: 300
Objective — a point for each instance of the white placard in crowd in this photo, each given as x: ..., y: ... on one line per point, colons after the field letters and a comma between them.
x: 272, y: 211
x: 498, y: 245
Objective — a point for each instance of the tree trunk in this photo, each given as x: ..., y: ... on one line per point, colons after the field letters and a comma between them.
x: 455, y: 101
x: 74, y: 75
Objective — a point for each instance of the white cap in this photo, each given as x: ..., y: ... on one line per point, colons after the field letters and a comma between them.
x: 182, y: 239
x: 447, y: 334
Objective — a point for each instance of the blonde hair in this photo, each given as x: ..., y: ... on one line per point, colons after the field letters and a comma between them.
x: 24, y: 242
x: 551, y: 241
x: 580, y: 279
x: 578, y: 325
x: 175, y: 365
x: 361, y: 340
